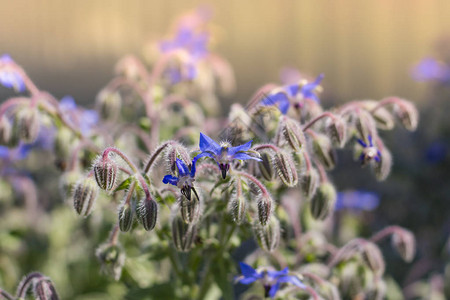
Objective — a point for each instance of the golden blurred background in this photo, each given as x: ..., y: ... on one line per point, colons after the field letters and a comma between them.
x: 365, y: 48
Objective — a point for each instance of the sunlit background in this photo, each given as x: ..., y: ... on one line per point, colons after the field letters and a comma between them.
x: 365, y: 48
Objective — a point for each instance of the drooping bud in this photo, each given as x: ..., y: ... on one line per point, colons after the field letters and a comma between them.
x: 378, y: 291
x: 291, y: 132
x: 173, y: 152
x: 28, y: 123
x: 183, y: 234
x: 373, y: 258
x: 268, y: 236
x: 323, y: 151
x: 404, y: 243
x: 407, y: 113
x: 265, y: 208
x: 109, y: 104
x: 105, y: 171
x: 63, y: 143
x: 44, y: 290
x: 265, y: 166
x: 147, y: 213
x: 337, y: 131
x: 84, y: 196
x: 383, y: 118
x: 67, y: 182
x: 309, y: 182
x: 126, y: 211
x: 190, y: 209
x: 365, y: 124
x: 285, y: 166
x: 112, y: 259
x: 322, y: 204
x: 382, y: 168
x: 5, y: 130
x: 238, y: 203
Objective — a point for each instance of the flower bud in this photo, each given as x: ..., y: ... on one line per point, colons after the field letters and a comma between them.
x: 382, y: 168
x: 183, y: 234
x: 265, y: 166
x: 112, y: 259
x: 292, y: 133
x: 126, y: 212
x: 67, y: 182
x: 109, y: 104
x: 238, y: 204
x: 44, y: 290
x: 365, y: 125
x: 268, y: 236
x: 309, y: 182
x: 105, y: 171
x: 378, y: 292
x: 407, y: 113
x: 5, y: 130
x: 63, y: 143
x: 373, y: 258
x: 28, y: 124
x: 404, y: 243
x: 337, y: 131
x: 286, y: 169
x: 84, y: 196
x: 383, y: 118
x: 173, y: 152
x: 190, y: 209
x: 322, y: 204
x: 323, y: 151
x: 265, y: 208
x: 147, y: 213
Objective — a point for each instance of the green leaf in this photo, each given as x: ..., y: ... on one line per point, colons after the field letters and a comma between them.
x: 124, y: 184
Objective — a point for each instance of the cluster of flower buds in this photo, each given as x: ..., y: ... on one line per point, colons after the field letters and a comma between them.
x: 41, y: 286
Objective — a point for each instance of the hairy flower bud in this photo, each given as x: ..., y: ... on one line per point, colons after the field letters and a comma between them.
x: 44, y: 290
x: 109, y: 104
x: 407, y: 113
x: 238, y: 203
x: 265, y: 208
x: 105, y: 171
x: 323, y: 151
x: 183, y: 234
x: 28, y: 123
x: 382, y: 168
x: 404, y: 243
x: 383, y: 118
x: 126, y: 211
x: 147, y: 213
x: 268, y: 236
x: 377, y: 292
x: 309, y: 182
x: 365, y: 124
x: 67, y: 182
x: 322, y: 204
x: 373, y: 258
x: 336, y: 130
x: 285, y: 167
x: 84, y: 196
x: 173, y: 152
x: 5, y: 130
x: 265, y: 166
x: 112, y: 259
x: 190, y: 209
x: 290, y: 131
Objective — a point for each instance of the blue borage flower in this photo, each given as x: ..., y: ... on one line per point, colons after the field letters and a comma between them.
x: 281, y: 98
x: 271, y: 280
x: 430, y: 69
x: 84, y: 119
x: 223, y: 154
x: 10, y: 78
x: 369, y: 151
x: 185, y: 179
x: 359, y: 200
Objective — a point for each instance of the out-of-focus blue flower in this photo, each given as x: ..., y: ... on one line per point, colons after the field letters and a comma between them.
x: 357, y: 200
x: 271, y: 280
x: 83, y: 119
x: 185, y: 179
x: 223, y: 154
x: 430, y: 69
x: 369, y: 151
x: 10, y: 78
x: 436, y: 152
x: 282, y: 97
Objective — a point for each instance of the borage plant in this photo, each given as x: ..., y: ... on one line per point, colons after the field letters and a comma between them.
x: 194, y: 203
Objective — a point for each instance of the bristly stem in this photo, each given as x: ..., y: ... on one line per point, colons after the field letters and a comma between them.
x: 12, y: 102
x: 114, y: 234
x: 122, y: 155
x: 386, y: 101
x: 384, y: 233
x: 6, y: 295
x: 25, y: 284
x: 321, y: 116
x: 255, y: 181
x: 155, y: 154
x: 267, y: 146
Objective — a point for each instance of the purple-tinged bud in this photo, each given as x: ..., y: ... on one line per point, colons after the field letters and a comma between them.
x: 336, y: 130
x: 190, y: 209
x: 5, y: 130
x: 290, y: 131
x: 322, y: 204
x: 382, y: 168
x: 237, y: 204
x: 126, y: 212
x: 44, y: 290
x: 407, y: 113
x: 112, y: 259
x: 28, y: 123
x: 309, y: 182
x: 383, y: 118
x: 265, y: 208
x: 84, y: 195
x: 353, y: 277
x: 365, y: 125
x: 268, y: 236
x: 265, y: 166
x: 109, y: 104
x: 373, y: 258
x: 63, y: 143
x: 377, y: 292
x: 147, y: 213
x: 404, y: 243
x: 323, y: 151
x: 183, y: 234
x: 173, y: 152
x: 285, y: 166
x: 105, y: 172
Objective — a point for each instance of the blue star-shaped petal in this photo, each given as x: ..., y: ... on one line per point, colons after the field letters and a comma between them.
x: 369, y: 151
x: 10, y: 78
x: 185, y: 177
